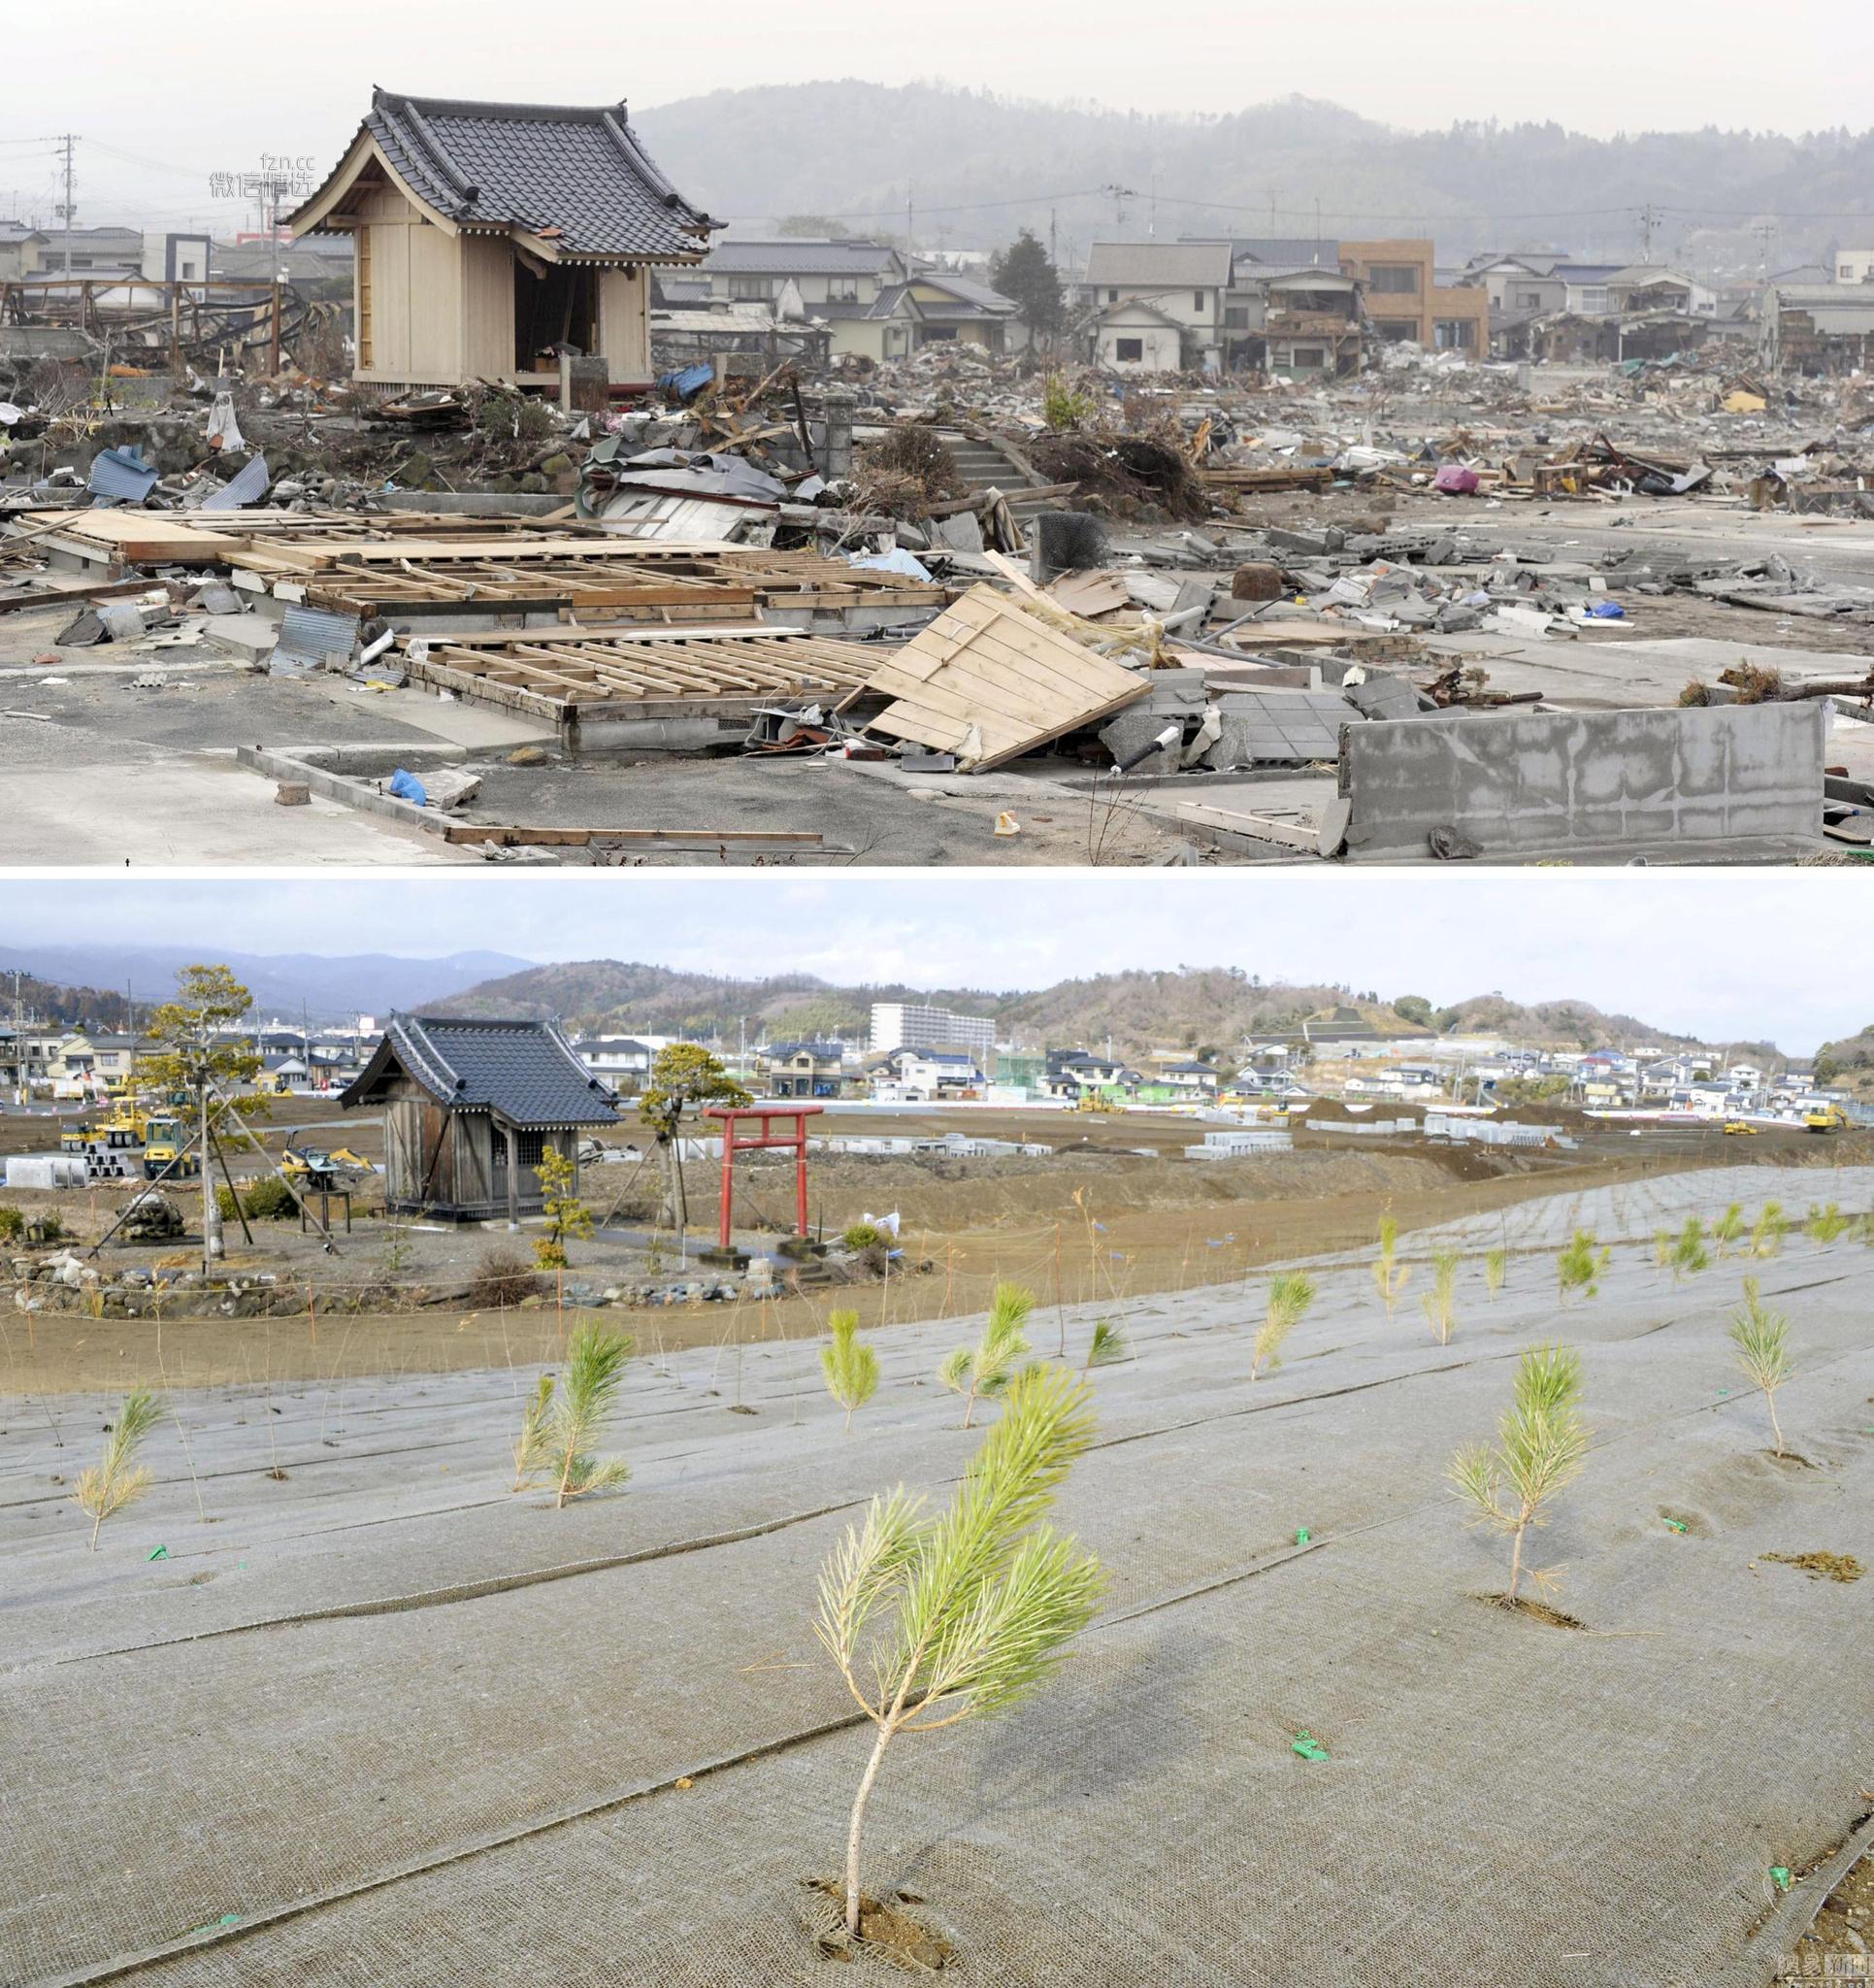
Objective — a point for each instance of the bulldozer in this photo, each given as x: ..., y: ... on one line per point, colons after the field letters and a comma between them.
x: 1094, y: 1101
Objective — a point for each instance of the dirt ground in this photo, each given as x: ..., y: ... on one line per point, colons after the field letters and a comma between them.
x: 1840, y: 1945
x: 1094, y: 1227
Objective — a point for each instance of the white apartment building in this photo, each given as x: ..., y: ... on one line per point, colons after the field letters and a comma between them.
x: 906, y: 1025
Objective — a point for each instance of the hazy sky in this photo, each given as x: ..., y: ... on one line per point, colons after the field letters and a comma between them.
x: 163, y: 96
x: 1721, y: 954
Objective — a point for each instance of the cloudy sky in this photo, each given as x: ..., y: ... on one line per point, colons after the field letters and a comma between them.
x: 1721, y: 954
x: 165, y: 95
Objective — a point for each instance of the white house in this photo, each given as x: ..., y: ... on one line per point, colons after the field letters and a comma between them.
x: 1185, y: 285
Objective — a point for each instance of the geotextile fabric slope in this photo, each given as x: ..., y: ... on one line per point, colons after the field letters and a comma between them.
x: 410, y: 1730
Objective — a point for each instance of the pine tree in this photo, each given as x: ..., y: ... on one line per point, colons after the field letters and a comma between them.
x: 562, y: 1423
x: 988, y: 1367
x: 962, y: 1615
x: 1023, y: 274
x: 850, y: 1367
x: 114, y: 1481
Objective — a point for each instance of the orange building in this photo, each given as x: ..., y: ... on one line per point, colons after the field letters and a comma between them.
x: 1404, y: 299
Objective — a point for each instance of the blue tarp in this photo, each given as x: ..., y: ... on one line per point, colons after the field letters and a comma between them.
x: 686, y: 382
x: 408, y: 787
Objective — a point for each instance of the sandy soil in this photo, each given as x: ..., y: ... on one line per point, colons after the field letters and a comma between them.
x: 1138, y: 1226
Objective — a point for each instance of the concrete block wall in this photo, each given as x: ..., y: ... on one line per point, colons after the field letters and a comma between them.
x: 1701, y: 783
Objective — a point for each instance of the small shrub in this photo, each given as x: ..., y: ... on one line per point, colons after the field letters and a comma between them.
x: 270, y: 1200
x: 1540, y: 1447
x: 1762, y: 1338
x: 850, y: 1366
x: 1063, y: 406
x: 13, y: 1224
x: 501, y: 1278
x: 863, y: 1235
x: 988, y: 1367
x: 550, y: 1254
x: 1727, y: 1231
x: 1289, y: 1294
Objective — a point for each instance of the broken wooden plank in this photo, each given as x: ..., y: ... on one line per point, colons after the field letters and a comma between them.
x: 989, y: 681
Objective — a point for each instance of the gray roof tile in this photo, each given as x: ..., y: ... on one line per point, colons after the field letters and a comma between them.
x: 525, y: 1070
x: 579, y: 168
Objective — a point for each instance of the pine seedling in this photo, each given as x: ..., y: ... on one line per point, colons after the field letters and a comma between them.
x: 1826, y: 1224
x: 569, y: 1418
x: 1729, y: 1231
x: 988, y: 1367
x: 1689, y: 1256
x: 934, y: 1619
x: 1581, y: 1266
x: 1762, y: 1338
x: 1108, y: 1347
x: 1289, y: 1294
x: 117, y: 1478
x: 1540, y: 1447
x: 1662, y: 1240
x: 1496, y: 1269
x: 1771, y: 1226
x: 850, y: 1366
x: 533, y: 1444
x: 1439, y: 1303
x: 1390, y: 1276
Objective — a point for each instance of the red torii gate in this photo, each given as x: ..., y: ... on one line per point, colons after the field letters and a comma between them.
x: 730, y: 1115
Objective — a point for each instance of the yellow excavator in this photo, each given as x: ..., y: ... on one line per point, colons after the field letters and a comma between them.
x: 1825, y: 1118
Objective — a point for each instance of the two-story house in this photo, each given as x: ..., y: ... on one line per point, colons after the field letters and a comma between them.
x: 802, y: 1069
x: 1157, y: 306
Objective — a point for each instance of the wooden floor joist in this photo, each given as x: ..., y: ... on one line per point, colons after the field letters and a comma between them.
x: 614, y: 666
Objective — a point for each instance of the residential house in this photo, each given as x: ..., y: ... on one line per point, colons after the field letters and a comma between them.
x: 932, y: 1073
x: 1190, y: 1078
x: 21, y: 249
x: 1295, y: 322
x: 1854, y: 265
x: 1817, y: 328
x: 1185, y: 285
x: 802, y: 1069
x: 1406, y: 298
x: 471, y: 1107
x: 873, y: 300
x: 488, y: 238
x: 91, y: 251
x: 172, y: 258
x: 622, y: 1061
x: 1648, y: 287
x: 1072, y: 1073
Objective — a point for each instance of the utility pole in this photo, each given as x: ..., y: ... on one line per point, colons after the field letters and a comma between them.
x: 1121, y: 195
x: 1053, y: 248
x: 1317, y: 231
x: 910, y: 229
x: 67, y: 140
x: 1649, y: 221
x: 1765, y: 232
x: 211, y: 1213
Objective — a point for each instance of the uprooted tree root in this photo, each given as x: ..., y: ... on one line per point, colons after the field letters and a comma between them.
x: 1536, y: 1612
x: 887, y: 1930
x: 1838, y: 1567
x: 1124, y: 475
